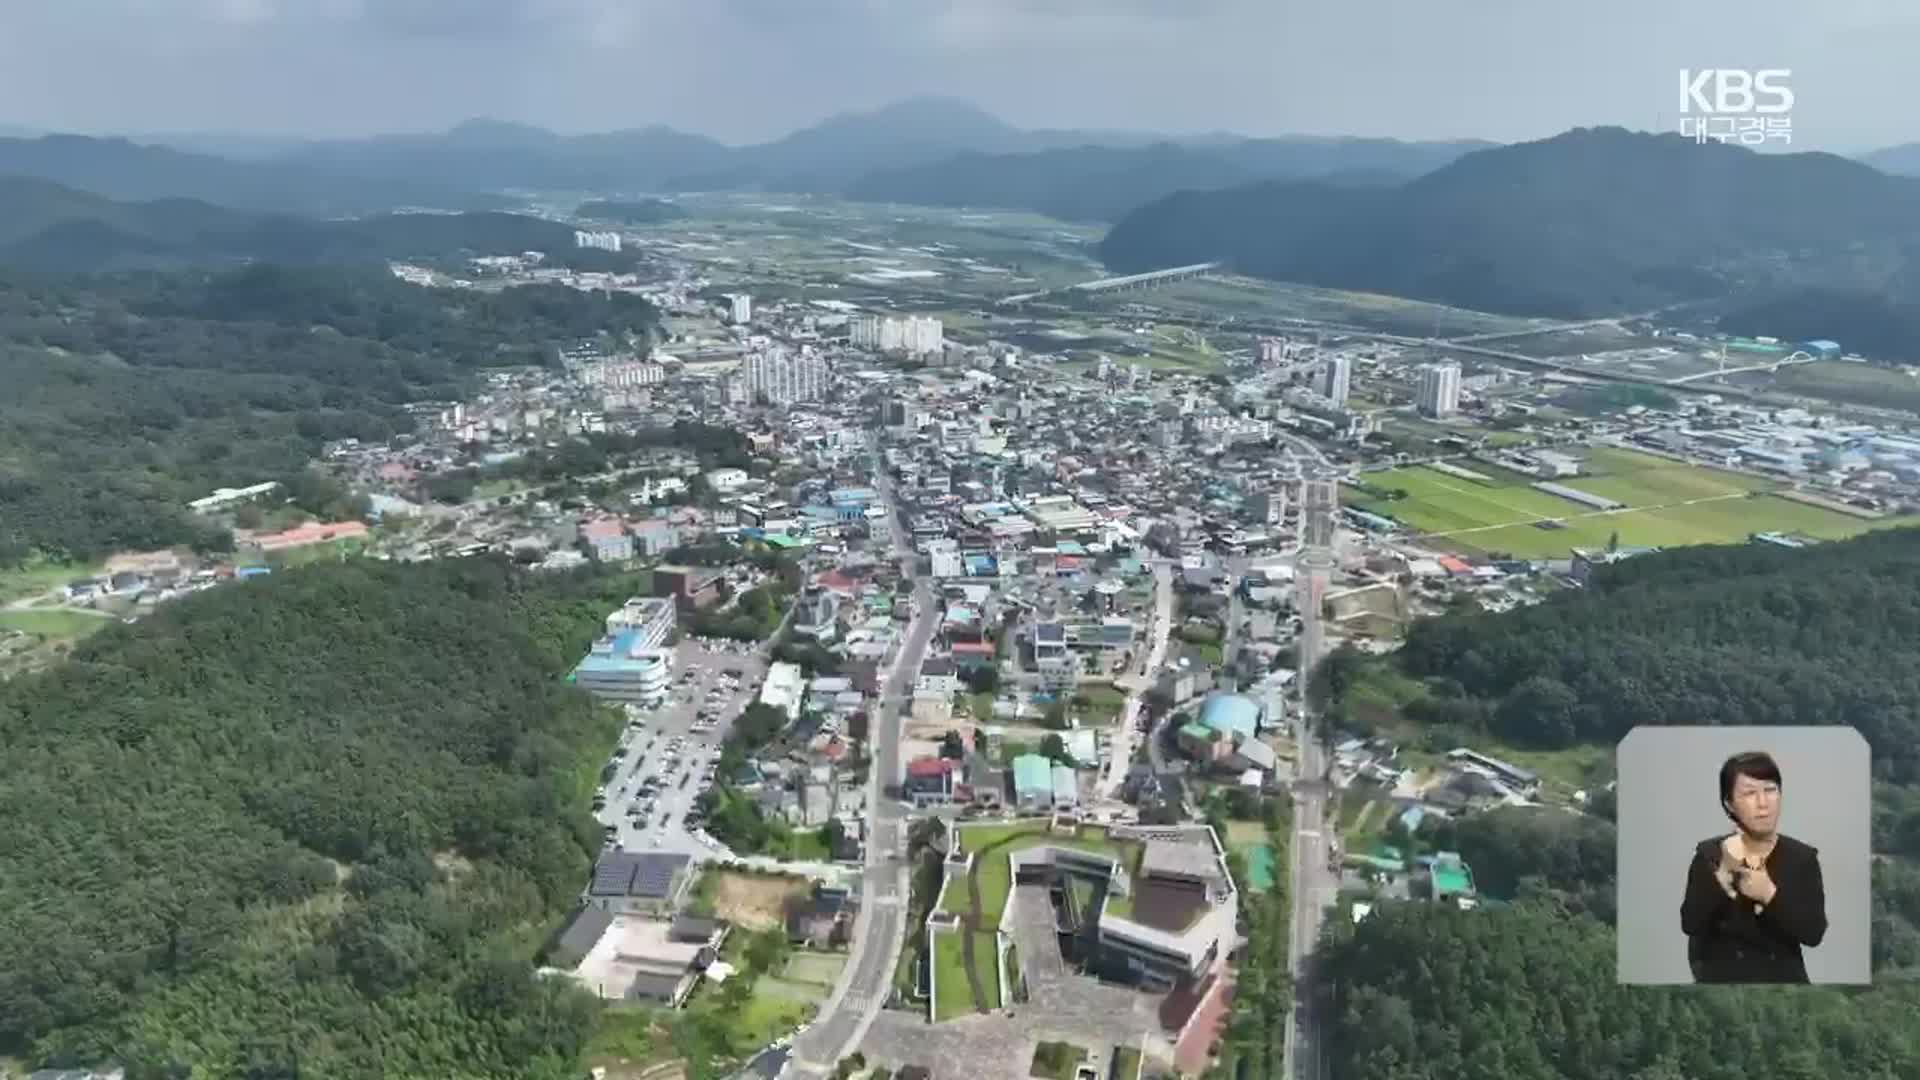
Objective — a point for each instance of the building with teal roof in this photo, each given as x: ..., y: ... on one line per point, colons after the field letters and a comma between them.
x: 1234, y: 715
x: 1032, y: 782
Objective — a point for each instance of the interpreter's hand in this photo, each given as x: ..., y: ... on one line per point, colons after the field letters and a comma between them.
x: 1724, y: 875
x: 1757, y: 885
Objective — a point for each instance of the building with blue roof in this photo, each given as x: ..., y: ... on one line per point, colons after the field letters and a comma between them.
x: 625, y: 668
x: 1234, y: 715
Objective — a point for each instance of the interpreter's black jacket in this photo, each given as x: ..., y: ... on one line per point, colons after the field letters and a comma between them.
x: 1728, y: 942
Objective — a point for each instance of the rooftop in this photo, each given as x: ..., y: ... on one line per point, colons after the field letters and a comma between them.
x: 1231, y: 713
x: 1180, y: 859
x: 648, y: 875
x: 1032, y: 774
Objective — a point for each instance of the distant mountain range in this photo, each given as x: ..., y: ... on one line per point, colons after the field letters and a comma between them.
x: 926, y: 150
x: 1903, y: 160
x: 121, y: 169
x: 1098, y: 183
x: 46, y: 226
x: 1597, y: 220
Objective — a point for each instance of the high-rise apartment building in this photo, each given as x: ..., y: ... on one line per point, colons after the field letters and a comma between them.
x: 783, y: 378
x: 914, y: 335
x: 1336, y: 379
x: 603, y: 241
x: 1440, y: 389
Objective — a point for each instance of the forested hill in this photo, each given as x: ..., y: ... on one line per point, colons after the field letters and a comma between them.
x: 1751, y: 634
x: 310, y: 826
x: 1428, y: 992
x: 1593, y: 221
x: 127, y: 396
x: 47, y: 227
x: 1710, y: 635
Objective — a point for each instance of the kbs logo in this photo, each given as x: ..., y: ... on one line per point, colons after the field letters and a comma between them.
x: 1729, y: 105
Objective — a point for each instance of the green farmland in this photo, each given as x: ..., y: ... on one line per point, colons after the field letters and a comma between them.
x: 1668, y: 504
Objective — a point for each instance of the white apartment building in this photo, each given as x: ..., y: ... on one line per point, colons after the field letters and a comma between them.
x: 739, y: 308
x: 914, y: 335
x: 623, y: 374
x: 783, y: 378
x: 1440, y: 389
x: 1336, y: 379
x: 604, y: 241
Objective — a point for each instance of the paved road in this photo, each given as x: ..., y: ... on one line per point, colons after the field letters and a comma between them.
x: 1314, y: 883
x: 877, y: 932
x: 1314, y: 887
x: 1120, y: 754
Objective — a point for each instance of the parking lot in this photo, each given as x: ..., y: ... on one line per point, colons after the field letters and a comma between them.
x: 667, y: 754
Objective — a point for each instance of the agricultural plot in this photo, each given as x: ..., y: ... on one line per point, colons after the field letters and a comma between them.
x: 1667, y: 504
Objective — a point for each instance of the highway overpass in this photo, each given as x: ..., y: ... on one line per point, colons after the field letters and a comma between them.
x: 1148, y: 280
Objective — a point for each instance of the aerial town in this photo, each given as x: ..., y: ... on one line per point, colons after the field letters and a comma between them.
x: 973, y: 674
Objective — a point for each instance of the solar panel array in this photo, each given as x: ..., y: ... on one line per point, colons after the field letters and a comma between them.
x: 644, y: 874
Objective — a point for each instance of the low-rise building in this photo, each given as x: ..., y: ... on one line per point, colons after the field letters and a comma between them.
x: 607, y: 539
x: 930, y: 781
x: 938, y: 678
x: 1032, y: 783
x: 784, y: 689
x: 637, y: 882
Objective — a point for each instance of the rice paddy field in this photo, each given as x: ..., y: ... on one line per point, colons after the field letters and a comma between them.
x: 1667, y: 504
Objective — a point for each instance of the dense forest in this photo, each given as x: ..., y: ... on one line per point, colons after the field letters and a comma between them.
x: 312, y: 826
x: 1428, y: 992
x: 130, y: 395
x: 1711, y: 635
x: 1885, y: 328
x: 1592, y: 221
x: 1750, y: 634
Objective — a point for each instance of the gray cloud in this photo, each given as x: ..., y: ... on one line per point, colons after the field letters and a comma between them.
x: 751, y: 69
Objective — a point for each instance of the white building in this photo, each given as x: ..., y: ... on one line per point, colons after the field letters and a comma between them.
x: 623, y: 374
x: 1440, y: 389
x: 650, y: 619
x: 725, y: 480
x: 915, y: 335
x: 1336, y: 379
x: 783, y: 378
x: 739, y: 308
x: 947, y: 564
x: 785, y: 688
x: 224, y: 497
x: 604, y: 241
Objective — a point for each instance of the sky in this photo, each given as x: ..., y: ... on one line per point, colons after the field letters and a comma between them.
x: 750, y: 70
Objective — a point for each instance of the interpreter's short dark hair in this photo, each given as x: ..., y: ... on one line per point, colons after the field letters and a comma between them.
x: 1755, y: 763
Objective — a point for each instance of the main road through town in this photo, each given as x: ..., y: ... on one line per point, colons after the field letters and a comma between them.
x: 1314, y: 882
x: 877, y: 932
